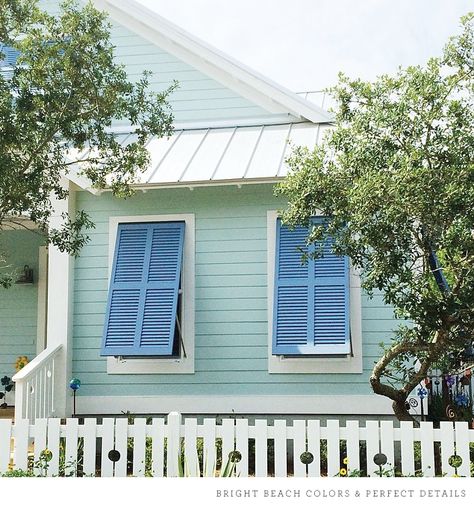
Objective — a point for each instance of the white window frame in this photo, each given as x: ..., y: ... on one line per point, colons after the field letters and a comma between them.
x: 163, y: 365
x: 310, y: 364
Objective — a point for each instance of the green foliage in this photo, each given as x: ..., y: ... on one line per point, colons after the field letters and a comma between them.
x: 57, y: 105
x: 396, y: 178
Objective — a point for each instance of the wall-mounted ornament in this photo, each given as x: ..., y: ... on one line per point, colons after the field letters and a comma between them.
x: 26, y: 276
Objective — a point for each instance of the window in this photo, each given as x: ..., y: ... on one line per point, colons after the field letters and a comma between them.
x: 314, y: 307
x: 149, y: 322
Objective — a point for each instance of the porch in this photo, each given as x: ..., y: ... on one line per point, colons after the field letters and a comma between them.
x: 23, y: 304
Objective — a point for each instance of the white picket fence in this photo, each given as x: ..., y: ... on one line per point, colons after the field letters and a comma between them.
x: 172, y: 447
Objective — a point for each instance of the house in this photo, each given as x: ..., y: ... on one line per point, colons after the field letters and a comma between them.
x: 205, y: 304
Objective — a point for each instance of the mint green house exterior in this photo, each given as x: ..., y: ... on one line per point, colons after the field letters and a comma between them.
x: 216, y: 174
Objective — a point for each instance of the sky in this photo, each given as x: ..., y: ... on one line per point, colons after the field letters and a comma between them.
x: 303, y: 44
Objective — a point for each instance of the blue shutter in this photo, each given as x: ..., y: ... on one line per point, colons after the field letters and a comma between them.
x: 10, y: 56
x: 311, y: 307
x: 144, y: 287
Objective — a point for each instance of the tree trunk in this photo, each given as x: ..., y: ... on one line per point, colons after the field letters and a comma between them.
x: 402, y: 413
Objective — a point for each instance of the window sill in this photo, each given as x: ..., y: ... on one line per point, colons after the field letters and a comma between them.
x: 150, y: 365
x: 346, y: 364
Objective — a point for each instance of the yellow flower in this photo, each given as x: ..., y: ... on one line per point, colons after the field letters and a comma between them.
x: 345, y: 460
x: 343, y: 472
x: 21, y: 362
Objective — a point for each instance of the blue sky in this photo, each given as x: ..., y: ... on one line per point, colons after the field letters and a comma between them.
x: 302, y: 44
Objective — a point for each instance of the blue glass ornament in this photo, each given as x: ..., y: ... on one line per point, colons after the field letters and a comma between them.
x: 75, y: 383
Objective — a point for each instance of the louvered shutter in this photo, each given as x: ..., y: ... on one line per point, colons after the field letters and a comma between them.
x: 144, y: 287
x: 10, y: 56
x: 311, y: 306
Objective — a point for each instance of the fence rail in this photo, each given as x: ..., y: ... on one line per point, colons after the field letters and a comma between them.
x: 170, y: 447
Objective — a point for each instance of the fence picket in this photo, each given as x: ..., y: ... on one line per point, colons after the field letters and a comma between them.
x: 20, y: 446
x: 387, y: 444
x: 333, y: 447
x: 173, y: 441
x: 108, y: 444
x: 70, y: 459
x: 5, y: 444
x: 447, y: 446
x: 462, y: 448
x: 139, y: 442
x: 157, y: 450
x: 372, y: 446
x: 40, y: 428
x: 209, y: 447
x: 427, y: 449
x: 299, y: 447
x: 314, y: 447
x: 228, y: 441
x: 280, y: 448
x: 261, y: 445
x: 352, y: 446
x: 89, y: 431
x: 406, y: 448
x: 191, y: 463
x: 54, y: 438
x: 242, y: 446
x: 121, y: 446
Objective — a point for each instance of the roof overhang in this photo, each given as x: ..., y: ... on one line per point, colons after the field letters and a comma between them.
x: 218, y: 156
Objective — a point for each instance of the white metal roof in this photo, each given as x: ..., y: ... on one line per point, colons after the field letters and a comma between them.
x: 226, y: 154
x: 239, y: 154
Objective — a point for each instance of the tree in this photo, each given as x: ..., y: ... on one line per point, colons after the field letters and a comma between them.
x: 396, y: 178
x: 58, y: 101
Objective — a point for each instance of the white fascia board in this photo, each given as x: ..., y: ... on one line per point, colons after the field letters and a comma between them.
x: 81, y: 182
x: 224, y: 69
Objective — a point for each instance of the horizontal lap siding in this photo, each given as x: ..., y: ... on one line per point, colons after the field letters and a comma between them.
x: 231, y: 301
x: 198, y: 97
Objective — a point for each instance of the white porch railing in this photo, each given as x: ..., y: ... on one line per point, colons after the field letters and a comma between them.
x: 168, y: 447
x: 35, y: 384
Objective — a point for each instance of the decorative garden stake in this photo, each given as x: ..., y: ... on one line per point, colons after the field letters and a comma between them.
x: 380, y: 460
x: 422, y: 393
x: 75, y: 383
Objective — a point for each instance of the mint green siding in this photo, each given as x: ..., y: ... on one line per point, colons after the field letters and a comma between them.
x: 231, y: 300
x: 197, y: 98
x: 18, y: 304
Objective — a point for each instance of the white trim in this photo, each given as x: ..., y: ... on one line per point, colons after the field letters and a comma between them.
x: 370, y: 404
x: 61, y: 301
x: 42, y: 299
x: 216, y: 124
x: 224, y: 69
x: 181, y: 365
x: 345, y: 364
